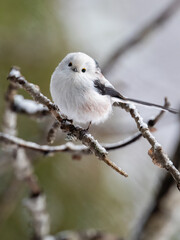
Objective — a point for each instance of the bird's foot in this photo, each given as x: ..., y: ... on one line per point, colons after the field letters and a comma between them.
x: 64, y: 120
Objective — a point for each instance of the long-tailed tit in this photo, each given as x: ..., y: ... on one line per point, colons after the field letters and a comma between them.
x: 82, y: 93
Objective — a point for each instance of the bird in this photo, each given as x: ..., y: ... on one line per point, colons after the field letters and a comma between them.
x: 83, y: 94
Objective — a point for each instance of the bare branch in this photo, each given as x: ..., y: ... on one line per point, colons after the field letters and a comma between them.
x: 138, y: 37
x: 137, y: 135
x: 158, y: 156
x: 156, y: 152
x: 87, y: 139
x: 68, y: 147
x: 82, y: 135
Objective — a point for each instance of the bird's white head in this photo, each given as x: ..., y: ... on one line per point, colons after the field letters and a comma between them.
x: 78, y: 63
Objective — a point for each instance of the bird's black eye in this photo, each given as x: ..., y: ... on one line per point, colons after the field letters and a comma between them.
x: 83, y: 70
x: 70, y: 64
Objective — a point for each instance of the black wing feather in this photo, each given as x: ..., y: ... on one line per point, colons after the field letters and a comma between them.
x: 104, y: 90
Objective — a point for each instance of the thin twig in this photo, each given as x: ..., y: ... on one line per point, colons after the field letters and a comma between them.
x: 143, y: 33
x: 46, y: 149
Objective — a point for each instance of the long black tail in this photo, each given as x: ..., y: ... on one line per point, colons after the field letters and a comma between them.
x: 151, y: 105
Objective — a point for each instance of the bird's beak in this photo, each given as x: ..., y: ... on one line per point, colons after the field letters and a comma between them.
x: 74, y: 69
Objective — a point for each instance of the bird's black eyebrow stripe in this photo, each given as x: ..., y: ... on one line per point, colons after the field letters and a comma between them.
x: 103, y: 90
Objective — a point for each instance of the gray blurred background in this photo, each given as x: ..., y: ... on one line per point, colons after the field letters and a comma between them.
x: 36, y: 35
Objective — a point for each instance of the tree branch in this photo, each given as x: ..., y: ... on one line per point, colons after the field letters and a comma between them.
x: 82, y: 135
x: 157, y: 154
x: 137, y: 135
